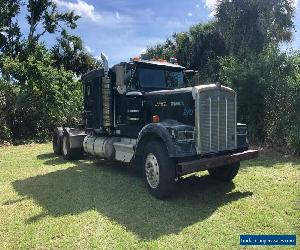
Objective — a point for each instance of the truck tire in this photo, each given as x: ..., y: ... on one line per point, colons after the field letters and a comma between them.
x: 159, y: 170
x: 57, y: 141
x: 225, y: 173
x: 68, y: 152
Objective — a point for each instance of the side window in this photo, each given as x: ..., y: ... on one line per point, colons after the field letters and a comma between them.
x: 130, y: 79
x: 88, y: 89
x: 174, y: 79
x: 88, y: 95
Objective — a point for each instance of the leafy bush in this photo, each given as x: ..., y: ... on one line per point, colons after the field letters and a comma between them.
x: 45, y: 96
x: 243, y: 76
x: 268, y: 90
x: 294, y: 139
x: 7, y: 97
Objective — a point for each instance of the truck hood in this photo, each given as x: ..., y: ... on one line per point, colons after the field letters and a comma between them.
x: 173, y: 104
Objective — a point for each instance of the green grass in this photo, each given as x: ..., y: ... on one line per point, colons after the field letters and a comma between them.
x: 47, y: 202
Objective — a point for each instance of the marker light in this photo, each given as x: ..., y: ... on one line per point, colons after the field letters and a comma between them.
x: 155, y: 118
x: 135, y: 59
x: 173, y: 60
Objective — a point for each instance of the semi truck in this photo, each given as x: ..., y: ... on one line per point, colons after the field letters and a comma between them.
x: 143, y: 113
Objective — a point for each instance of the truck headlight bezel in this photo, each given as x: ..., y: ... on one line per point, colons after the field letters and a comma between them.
x: 183, y: 136
x: 241, y: 130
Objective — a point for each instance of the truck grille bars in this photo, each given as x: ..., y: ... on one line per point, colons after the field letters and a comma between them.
x: 215, y: 118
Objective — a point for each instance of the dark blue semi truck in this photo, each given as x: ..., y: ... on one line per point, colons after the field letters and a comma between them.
x: 142, y: 112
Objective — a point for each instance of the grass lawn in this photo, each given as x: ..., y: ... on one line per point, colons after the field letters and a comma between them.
x: 47, y: 202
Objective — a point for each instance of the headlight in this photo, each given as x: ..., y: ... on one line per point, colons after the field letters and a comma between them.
x: 241, y: 130
x: 183, y: 135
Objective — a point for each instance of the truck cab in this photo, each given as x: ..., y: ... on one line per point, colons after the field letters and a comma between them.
x: 143, y: 113
x: 146, y: 82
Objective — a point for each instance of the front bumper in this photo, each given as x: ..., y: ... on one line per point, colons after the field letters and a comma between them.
x: 188, y: 167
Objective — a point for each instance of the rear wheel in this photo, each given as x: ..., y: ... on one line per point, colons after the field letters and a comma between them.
x: 57, y: 141
x: 68, y: 152
x: 159, y: 170
x: 225, y: 173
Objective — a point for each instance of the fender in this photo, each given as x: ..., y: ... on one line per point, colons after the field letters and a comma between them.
x: 162, y: 132
x: 155, y: 130
x: 76, y: 136
x: 59, y: 131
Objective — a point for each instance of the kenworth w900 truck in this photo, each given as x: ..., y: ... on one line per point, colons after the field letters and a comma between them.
x: 142, y: 112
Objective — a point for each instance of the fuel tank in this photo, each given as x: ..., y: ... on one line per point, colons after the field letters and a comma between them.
x: 101, y: 146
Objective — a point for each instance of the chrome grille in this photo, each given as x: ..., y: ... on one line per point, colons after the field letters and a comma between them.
x: 215, y: 116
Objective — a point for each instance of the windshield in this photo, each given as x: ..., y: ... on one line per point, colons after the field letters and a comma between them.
x: 160, y: 78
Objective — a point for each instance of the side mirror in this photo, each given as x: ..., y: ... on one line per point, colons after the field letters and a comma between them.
x: 196, y: 79
x: 120, y: 79
x: 192, y: 77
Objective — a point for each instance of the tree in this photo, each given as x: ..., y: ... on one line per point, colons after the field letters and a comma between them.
x: 38, y: 87
x: 49, y: 97
x: 9, y: 29
x: 44, y: 14
x: 248, y: 26
x: 164, y: 50
x: 198, y: 49
x: 70, y: 54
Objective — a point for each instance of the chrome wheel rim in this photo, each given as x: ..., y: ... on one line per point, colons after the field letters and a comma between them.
x: 152, y: 170
x: 65, y: 150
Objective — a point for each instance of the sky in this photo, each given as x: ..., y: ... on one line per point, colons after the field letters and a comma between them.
x: 123, y: 29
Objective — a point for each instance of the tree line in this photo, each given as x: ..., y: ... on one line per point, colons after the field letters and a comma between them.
x: 242, y: 47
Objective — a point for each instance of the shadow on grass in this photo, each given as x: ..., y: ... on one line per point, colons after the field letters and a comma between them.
x: 119, y: 193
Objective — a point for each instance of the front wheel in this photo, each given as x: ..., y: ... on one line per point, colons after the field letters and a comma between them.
x: 159, y: 170
x: 57, y: 141
x: 225, y: 173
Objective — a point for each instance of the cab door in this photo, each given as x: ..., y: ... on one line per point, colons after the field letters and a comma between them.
x: 134, y: 108
x: 128, y: 107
